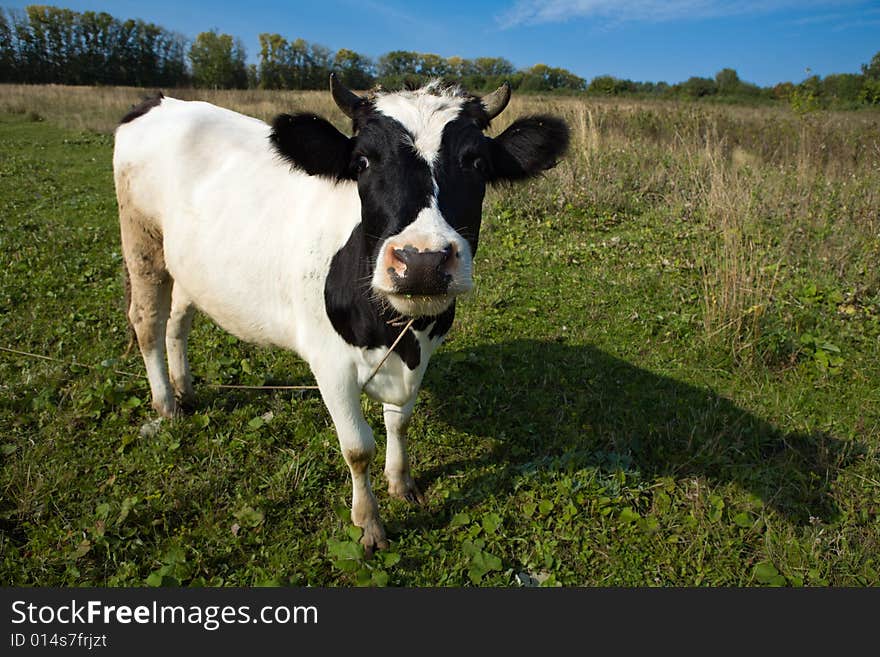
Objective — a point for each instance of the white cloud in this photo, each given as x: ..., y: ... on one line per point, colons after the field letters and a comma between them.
x: 530, y: 12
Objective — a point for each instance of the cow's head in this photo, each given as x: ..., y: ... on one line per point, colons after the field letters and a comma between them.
x: 421, y: 163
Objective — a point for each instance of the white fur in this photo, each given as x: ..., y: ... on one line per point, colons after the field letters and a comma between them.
x: 424, y: 113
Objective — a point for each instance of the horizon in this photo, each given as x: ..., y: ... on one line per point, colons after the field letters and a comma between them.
x: 640, y: 40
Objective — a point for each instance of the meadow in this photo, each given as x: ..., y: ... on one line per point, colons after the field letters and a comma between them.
x: 668, y: 375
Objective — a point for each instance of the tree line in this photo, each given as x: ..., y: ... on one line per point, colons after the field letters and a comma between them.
x: 46, y: 44
x: 218, y: 60
x: 836, y: 90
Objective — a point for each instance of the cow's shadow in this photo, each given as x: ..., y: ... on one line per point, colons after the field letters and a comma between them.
x: 557, y: 406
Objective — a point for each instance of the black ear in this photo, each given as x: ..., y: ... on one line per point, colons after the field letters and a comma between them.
x: 312, y: 144
x: 529, y: 146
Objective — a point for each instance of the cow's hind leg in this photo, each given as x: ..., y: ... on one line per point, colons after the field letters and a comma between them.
x: 150, y: 303
x: 179, y: 325
x: 397, y: 472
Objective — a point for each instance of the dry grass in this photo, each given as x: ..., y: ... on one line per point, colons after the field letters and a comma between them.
x: 99, y: 108
x: 739, y: 272
x: 770, y: 188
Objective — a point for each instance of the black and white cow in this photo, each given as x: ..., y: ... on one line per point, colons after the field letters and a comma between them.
x: 298, y: 236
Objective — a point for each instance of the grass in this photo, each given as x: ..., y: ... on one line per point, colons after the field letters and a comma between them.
x: 668, y: 375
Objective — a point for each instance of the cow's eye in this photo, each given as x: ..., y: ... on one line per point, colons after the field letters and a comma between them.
x: 361, y: 163
x: 474, y: 162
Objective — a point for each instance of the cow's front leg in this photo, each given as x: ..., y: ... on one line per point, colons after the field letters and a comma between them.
x: 342, y: 397
x: 400, y: 481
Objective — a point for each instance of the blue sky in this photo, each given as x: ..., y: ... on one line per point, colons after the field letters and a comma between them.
x: 766, y: 42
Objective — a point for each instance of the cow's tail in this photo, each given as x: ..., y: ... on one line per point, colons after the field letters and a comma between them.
x: 132, y: 336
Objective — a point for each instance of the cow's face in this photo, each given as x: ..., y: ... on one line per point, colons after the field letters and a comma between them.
x: 420, y: 160
x: 421, y: 163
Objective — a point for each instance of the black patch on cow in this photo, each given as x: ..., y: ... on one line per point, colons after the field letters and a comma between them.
x: 463, y: 168
x: 142, y: 108
x: 313, y: 144
x: 474, y: 109
x: 358, y: 317
x: 529, y: 146
x: 396, y: 185
x: 443, y: 322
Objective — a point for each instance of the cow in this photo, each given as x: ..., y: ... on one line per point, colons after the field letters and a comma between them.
x: 298, y: 236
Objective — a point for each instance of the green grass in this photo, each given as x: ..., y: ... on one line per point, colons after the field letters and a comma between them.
x: 580, y: 426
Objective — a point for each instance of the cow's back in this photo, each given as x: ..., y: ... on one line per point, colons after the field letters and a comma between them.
x: 247, y: 238
x: 162, y: 155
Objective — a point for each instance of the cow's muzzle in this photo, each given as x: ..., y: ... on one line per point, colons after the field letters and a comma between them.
x: 423, y: 273
x: 422, y: 282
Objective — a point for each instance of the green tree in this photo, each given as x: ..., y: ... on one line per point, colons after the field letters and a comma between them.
x: 399, y: 68
x: 697, y: 87
x: 355, y: 70
x: 49, y: 44
x: 297, y: 65
x: 34, y: 45
x: 7, y: 48
x: 458, y: 68
x: 253, y: 76
x: 871, y: 70
x: 783, y: 90
x: 96, y: 47
x: 727, y: 82
x: 433, y: 66
x: 607, y: 85
x: 218, y: 61
x: 172, y: 68
x: 145, y: 53
x: 541, y: 77
x: 56, y: 28
x: 603, y: 85
x: 493, y: 67
x: 806, y: 96
x: 870, y: 92
x: 844, y: 87
x: 650, y: 88
x: 319, y: 62
x: 273, y: 60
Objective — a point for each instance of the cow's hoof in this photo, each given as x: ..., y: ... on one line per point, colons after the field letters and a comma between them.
x: 373, y: 538
x: 169, y: 409
x: 186, y: 403
x: 405, y: 489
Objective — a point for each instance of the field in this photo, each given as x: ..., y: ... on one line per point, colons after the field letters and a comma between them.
x: 668, y: 375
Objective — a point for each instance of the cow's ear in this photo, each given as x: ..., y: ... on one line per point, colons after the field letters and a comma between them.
x: 312, y: 144
x: 529, y: 146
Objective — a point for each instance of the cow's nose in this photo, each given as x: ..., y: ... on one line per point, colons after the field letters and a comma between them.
x: 423, y: 272
x: 412, y: 257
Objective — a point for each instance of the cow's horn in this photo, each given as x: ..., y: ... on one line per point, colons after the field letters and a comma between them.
x: 496, y: 101
x: 345, y: 99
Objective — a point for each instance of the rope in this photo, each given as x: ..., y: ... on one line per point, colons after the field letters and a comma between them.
x: 64, y: 362
x: 390, y: 349
x: 240, y: 387
x: 214, y: 385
